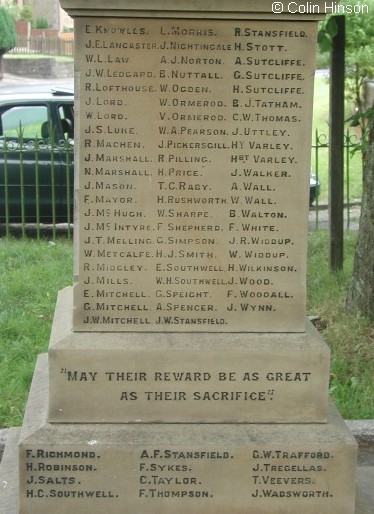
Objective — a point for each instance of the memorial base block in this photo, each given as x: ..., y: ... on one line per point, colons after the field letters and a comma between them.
x: 192, y: 377
x: 184, y: 468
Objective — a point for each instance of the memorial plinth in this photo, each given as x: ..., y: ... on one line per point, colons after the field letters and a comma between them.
x: 130, y: 377
x: 188, y: 468
x: 183, y: 375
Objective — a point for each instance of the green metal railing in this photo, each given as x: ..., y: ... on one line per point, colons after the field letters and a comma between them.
x: 352, y: 173
x: 36, y: 181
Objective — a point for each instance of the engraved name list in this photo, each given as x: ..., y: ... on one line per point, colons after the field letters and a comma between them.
x: 192, y: 178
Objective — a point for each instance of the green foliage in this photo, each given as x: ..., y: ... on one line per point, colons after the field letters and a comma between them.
x: 361, y: 119
x: 41, y: 23
x: 12, y: 8
x: 359, y: 62
x: 7, y: 31
x: 327, y: 31
x: 359, y: 27
x: 359, y: 67
x: 26, y: 14
x: 323, y: 60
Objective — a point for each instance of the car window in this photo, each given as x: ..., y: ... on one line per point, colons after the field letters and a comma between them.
x: 27, y: 120
x: 66, y: 113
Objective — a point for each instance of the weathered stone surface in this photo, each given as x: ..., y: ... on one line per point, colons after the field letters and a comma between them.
x: 194, y: 378
x: 199, y: 8
x: 9, y: 480
x: 193, y: 184
x: 188, y: 320
x: 9, y: 474
x: 146, y: 468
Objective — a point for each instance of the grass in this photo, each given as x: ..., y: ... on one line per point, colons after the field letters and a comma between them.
x: 31, y: 274
x: 351, y: 338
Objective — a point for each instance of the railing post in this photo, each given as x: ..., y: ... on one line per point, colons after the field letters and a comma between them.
x: 336, y: 148
x: 22, y: 182
x: 6, y: 190
x: 317, y: 175
x: 67, y: 169
x: 37, y: 195
x: 348, y: 185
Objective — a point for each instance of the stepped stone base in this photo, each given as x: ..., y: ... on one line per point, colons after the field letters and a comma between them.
x: 9, y: 474
x: 185, y: 377
x: 184, y: 468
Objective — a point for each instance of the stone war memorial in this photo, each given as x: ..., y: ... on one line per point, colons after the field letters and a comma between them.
x: 183, y: 375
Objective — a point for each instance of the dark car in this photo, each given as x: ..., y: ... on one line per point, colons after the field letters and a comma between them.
x: 36, y: 157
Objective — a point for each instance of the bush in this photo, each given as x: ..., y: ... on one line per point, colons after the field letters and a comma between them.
x: 41, y: 23
x: 7, y: 31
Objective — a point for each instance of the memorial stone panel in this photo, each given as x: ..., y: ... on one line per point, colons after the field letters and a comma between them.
x: 193, y: 124
x: 198, y: 378
x: 193, y: 174
x: 188, y: 468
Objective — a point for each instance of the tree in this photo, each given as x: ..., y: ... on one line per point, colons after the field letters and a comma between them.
x: 360, y: 298
x: 359, y: 68
x: 7, y: 36
x: 26, y: 14
x: 359, y: 62
x: 359, y: 50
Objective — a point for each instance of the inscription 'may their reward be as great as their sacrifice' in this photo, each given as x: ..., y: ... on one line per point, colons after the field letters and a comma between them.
x: 193, y: 175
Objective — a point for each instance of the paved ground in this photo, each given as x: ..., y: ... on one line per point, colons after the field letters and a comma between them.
x: 16, y: 84
x: 320, y: 219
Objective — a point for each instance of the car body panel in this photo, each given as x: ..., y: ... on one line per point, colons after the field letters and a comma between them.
x: 36, y: 157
